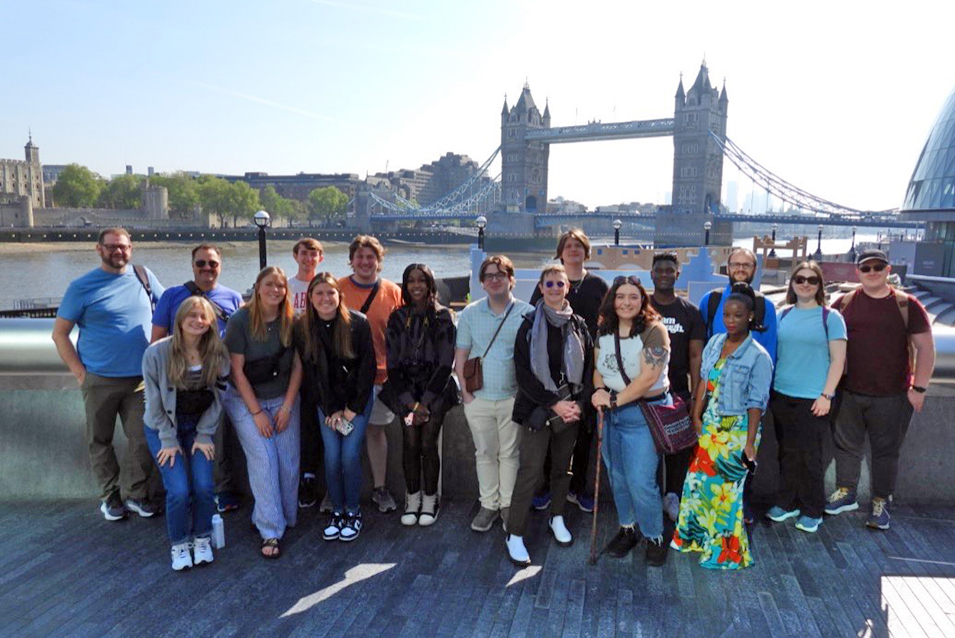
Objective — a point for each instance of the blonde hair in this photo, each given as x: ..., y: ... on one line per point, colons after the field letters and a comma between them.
x: 286, y: 311
x: 210, y: 347
x: 341, y: 336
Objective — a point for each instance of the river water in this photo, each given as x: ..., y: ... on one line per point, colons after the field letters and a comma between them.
x: 44, y: 271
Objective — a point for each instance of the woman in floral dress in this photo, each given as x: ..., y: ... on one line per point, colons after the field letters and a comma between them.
x: 737, y: 372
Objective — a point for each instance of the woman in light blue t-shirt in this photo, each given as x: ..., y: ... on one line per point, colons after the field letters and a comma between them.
x: 810, y: 357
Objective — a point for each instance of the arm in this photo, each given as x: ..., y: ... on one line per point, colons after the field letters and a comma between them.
x: 924, y: 366
x: 527, y: 382
x: 752, y: 427
x: 209, y: 421
x: 460, y: 356
x: 158, y: 333
x: 696, y: 408
x: 396, y: 378
x: 768, y: 338
x: 599, y: 397
x: 155, y: 415
x: 696, y: 360
x: 837, y: 363
x: 367, y: 368
x: 241, y: 383
x: 444, y: 345
x: 291, y: 394
x: 654, y: 362
x: 64, y: 347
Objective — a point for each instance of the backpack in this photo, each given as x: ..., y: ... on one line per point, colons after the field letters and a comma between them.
x: 716, y: 296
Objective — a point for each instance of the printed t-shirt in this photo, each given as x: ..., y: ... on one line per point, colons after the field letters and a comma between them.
x: 585, y: 296
x: 114, y: 316
x: 631, y: 351
x: 802, y: 352
x: 684, y: 323
x: 877, y: 350
x: 165, y: 314
x: 239, y: 340
x: 298, y: 290
x: 387, y: 299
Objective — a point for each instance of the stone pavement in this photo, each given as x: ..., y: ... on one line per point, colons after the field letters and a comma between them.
x: 64, y: 571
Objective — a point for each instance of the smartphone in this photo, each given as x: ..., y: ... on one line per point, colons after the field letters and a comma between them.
x: 345, y: 426
x: 409, y: 420
x: 750, y: 465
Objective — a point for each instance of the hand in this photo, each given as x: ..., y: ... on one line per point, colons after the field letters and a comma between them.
x: 282, y: 419
x: 80, y: 376
x: 697, y: 425
x: 263, y: 421
x: 208, y: 449
x: 821, y: 406
x: 168, y: 454
x: 421, y: 415
x: 566, y: 410
x: 349, y: 415
x: 917, y: 399
x: 466, y: 397
x: 333, y: 419
x: 600, y: 399
x: 749, y: 450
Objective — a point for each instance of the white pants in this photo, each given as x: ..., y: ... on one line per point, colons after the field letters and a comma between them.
x: 497, y: 449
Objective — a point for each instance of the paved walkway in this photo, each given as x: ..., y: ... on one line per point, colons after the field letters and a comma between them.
x: 66, y: 572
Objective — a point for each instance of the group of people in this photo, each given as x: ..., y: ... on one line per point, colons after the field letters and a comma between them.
x: 315, y: 366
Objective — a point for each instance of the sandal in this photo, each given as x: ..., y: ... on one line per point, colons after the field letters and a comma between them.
x: 271, y: 544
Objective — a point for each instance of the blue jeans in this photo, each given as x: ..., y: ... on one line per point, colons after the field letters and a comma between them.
x: 631, y: 458
x: 343, y: 460
x: 189, y: 478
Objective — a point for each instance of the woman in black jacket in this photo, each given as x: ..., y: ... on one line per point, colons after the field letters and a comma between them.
x: 338, y: 358
x: 420, y: 343
x: 553, y: 359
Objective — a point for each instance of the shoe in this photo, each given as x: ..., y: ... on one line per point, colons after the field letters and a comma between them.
x: 879, y: 519
x: 202, y: 548
x: 144, y: 508
x: 429, y: 510
x: 326, y: 507
x: 333, y: 530
x: 808, y: 524
x: 778, y: 514
x: 352, y: 527
x: 584, y: 502
x: 112, y: 508
x: 656, y: 551
x: 842, y: 500
x: 748, y: 517
x: 671, y: 505
x: 382, y: 498
x: 412, y: 508
x: 227, y: 502
x: 541, y: 502
x: 559, y: 531
x: 505, y: 512
x: 306, y: 492
x: 484, y: 520
x: 181, y: 558
x: 271, y: 544
x: 621, y: 544
x: 516, y: 550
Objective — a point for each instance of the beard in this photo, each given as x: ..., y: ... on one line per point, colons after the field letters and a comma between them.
x: 116, y: 260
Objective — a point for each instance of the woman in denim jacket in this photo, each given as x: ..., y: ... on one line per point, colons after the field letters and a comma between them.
x: 736, y: 373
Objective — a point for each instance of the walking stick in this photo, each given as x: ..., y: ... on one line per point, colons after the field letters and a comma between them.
x: 593, y: 527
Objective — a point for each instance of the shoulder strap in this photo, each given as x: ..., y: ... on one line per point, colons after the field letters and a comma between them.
x: 371, y: 297
x: 783, y: 314
x: 143, y: 278
x: 616, y: 345
x: 712, y: 305
x: 196, y: 291
x: 499, y: 326
x: 902, y: 300
x: 847, y: 299
x: 760, y: 310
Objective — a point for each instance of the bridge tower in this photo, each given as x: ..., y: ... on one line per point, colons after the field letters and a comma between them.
x: 524, y: 164
x: 697, y: 159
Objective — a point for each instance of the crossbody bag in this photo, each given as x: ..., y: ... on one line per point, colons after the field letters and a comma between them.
x: 474, y: 368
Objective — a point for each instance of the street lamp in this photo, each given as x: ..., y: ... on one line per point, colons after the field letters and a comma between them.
x: 818, y: 255
x: 617, y: 224
x: 772, y: 251
x: 707, y: 226
x: 261, y: 220
x: 480, y: 222
x: 852, y: 249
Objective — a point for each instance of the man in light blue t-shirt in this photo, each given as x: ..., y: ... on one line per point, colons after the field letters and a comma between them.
x: 112, y: 305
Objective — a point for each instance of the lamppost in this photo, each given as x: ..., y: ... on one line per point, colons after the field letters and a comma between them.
x: 261, y: 220
x: 617, y: 224
x: 852, y: 249
x: 480, y: 222
x: 772, y: 251
x: 818, y: 254
x: 707, y: 226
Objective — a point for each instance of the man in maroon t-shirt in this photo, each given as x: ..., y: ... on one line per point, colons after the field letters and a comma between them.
x: 880, y: 392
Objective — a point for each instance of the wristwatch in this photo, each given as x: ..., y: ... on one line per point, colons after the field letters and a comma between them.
x: 829, y: 396
x: 919, y: 389
x: 613, y: 399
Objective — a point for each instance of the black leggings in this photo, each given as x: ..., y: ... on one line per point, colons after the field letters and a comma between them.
x: 420, y: 444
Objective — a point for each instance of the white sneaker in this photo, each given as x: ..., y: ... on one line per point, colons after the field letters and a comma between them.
x: 412, y: 507
x: 429, y: 510
x: 181, y: 558
x: 516, y: 550
x: 671, y: 505
x: 560, y: 532
x: 202, y: 550
x: 326, y: 507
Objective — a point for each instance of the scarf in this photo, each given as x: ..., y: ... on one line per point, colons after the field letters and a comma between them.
x: 573, y: 348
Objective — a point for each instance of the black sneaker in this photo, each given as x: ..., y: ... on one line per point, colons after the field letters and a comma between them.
x: 306, y: 492
x: 112, y: 508
x: 656, y: 552
x: 227, y: 502
x: 333, y: 530
x: 352, y: 527
x: 144, y: 508
x: 621, y: 544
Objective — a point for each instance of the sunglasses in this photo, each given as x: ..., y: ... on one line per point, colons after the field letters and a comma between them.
x: 201, y: 263
x: 800, y: 280
x: 879, y: 267
x: 626, y: 279
x: 551, y: 284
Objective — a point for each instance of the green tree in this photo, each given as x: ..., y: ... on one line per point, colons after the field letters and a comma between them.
x: 243, y: 201
x: 77, y: 187
x: 327, y: 202
x: 214, y: 196
x: 122, y: 192
x: 183, y: 192
x: 276, y: 205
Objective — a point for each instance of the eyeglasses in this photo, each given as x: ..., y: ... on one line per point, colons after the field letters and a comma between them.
x: 811, y: 280
x: 495, y: 276
x: 741, y: 265
x: 551, y: 284
x: 626, y: 279
x: 114, y: 247
x: 201, y: 263
x: 879, y: 267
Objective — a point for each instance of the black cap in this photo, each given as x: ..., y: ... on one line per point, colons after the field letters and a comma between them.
x: 873, y: 253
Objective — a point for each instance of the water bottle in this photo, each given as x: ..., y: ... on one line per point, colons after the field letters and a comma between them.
x: 218, y: 532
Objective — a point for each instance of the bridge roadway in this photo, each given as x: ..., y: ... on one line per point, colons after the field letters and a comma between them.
x: 593, y: 131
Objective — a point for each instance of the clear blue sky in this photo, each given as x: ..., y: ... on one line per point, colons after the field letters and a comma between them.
x: 836, y: 97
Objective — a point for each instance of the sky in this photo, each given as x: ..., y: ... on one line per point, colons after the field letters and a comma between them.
x: 834, y: 97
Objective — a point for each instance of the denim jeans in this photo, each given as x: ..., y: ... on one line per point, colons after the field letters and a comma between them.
x: 343, y: 460
x: 631, y: 458
x: 189, y: 478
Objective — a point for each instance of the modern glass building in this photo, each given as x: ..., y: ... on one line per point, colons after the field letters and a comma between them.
x: 931, y: 194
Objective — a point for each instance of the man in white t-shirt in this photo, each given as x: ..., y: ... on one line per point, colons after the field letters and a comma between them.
x: 308, y: 254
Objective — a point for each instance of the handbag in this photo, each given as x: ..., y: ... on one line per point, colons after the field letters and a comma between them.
x: 263, y: 370
x: 670, y: 425
x: 541, y: 417
x: 473, y: 368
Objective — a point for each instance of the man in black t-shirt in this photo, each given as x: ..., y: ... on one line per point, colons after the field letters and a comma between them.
x: 687, y: 338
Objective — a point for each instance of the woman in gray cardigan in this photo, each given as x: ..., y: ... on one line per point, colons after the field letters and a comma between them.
x: 184, y: 375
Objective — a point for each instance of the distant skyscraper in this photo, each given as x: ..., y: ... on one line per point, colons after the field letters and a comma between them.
x: 732, y: 195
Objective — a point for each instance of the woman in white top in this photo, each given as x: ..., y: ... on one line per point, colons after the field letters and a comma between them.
x: 632, y: 336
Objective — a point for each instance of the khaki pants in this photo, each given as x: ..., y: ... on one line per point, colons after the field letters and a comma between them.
x: 497, y: 449
x: 105, y: 399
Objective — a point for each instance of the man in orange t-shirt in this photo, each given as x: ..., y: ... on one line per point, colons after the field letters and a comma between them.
x: 365, y: 253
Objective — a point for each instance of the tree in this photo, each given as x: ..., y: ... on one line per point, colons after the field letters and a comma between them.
x: 214, y: 196
x: 243, y: 201
x: 77, y: 187
x: 278, y: 206
x: 122, y: 192
x: 327, y: 202
x: 183, y: 192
